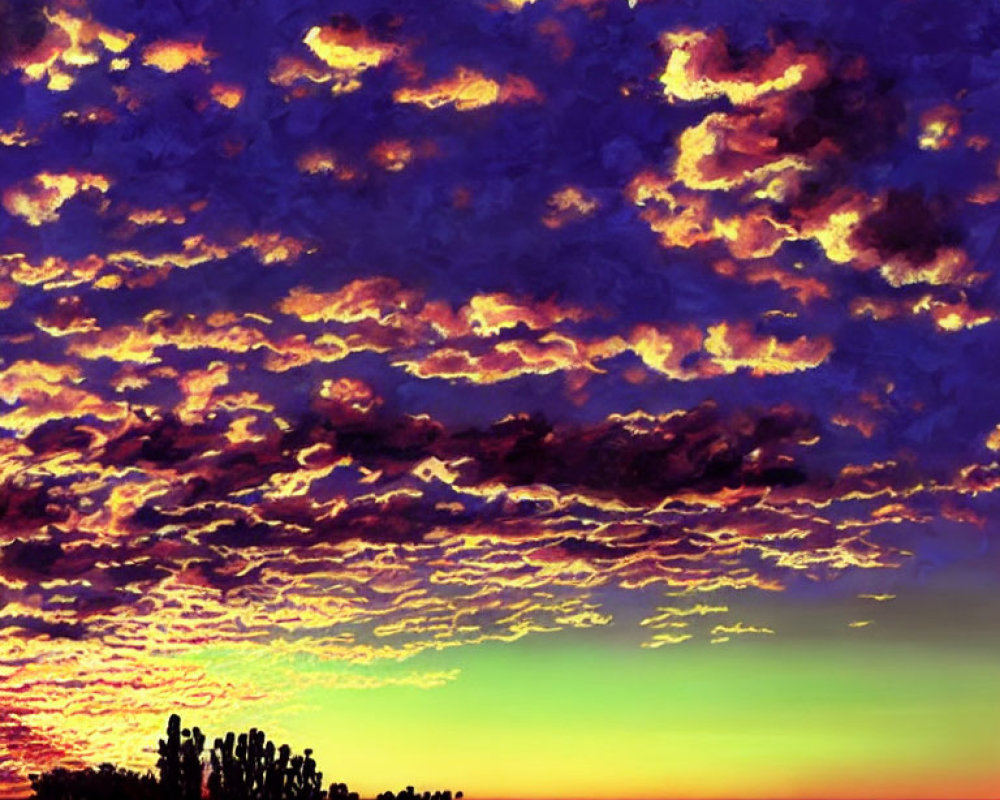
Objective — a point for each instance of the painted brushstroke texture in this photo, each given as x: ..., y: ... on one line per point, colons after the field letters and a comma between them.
x: 361, y: 335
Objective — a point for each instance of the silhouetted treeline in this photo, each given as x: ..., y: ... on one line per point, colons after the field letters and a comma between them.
x: 243, y: 767
x: 107, y: 782
x: 409, y: 794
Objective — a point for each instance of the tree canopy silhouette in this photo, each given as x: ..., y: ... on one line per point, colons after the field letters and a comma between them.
x: 247, y: 766
x: 107, y: 782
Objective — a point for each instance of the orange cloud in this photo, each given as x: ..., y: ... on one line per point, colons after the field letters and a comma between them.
x: 993, y: 440
x: 948, y: 316
x: 34, y: 377
x: 949, y: 265
x: 382, y: 316
x: 735, y: 347
x: 8, y: 294
x: 467, y: 90
x: 171, y: 215
x: 488, y: 314
x: 349, y: 50
x: 39, y: 199
x: 509, y: 359
x: 90, y: 115
x: 985, y: 195
x: 392, y: 155
x: 699, y: 67
x: 46, y: 402
x: 863, y: 231
x: 339, y: 54
x: 53, y: 272
x: 755, y: 234
x: 136, y: 268
x: 70, y: 44
x: 568, y: 205
x: 173, y: 55
x: 299, y: 351
x: 378, y: 315
x: 804, y: 288
x: 727, y: 150
x: 560, y: 41
x: 685, y: 353
x: 159, y: 329
x: 661, y: 639
x: 685, y: 219
x: 322, y: 162
x: 275, y: 248
x: 666, y: 350
x: 227, y: 95
x: 289, y: 69
x: 378, y: 299
x: 847, y: 226
x: 760, y: 147
x: 939, y: 127
x: 197, y: 387
x: 681, y: 219
x: 17, y: 136
x: 861, y: 420
x: 68, y: 316
x: 348, y: 394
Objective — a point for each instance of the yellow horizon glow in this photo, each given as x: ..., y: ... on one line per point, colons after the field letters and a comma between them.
x: 751, y: 720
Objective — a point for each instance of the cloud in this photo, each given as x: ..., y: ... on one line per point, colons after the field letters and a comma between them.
x: 55, y: 45
x: 467, y: 90
x: 948, y: 316
x: 699, y: 67
x: 738, y: 347
x: 939, y: 127
x: 173, y: 55
x: 508, y: 359
x: 569, y: 204
x: 785, y: 146
x: 339, y: 54
x: 345, y: 46
x: 297, y: 390
x: 803, y: 287
x: 39, y: 200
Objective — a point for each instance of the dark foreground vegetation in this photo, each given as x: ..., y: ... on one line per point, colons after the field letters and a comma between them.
x: 244, y: 767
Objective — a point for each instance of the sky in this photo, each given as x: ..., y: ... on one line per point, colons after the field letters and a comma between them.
x: 542, y: 399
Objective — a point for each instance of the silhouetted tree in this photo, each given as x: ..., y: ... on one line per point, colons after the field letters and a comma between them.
x: 249, y: 767
x: 180, y: 763
x: 169, y: 762
x: 409, y: 794
x: 339, y: 791
x: 105, y: 783
x: 244, y: 767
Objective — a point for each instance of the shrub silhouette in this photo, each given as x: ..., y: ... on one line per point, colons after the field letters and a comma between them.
x: 409, y: 794
x: 244, y: 767
x: 104, y: 783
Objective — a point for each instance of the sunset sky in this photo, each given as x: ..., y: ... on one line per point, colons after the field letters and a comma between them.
x: 543, y: 399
